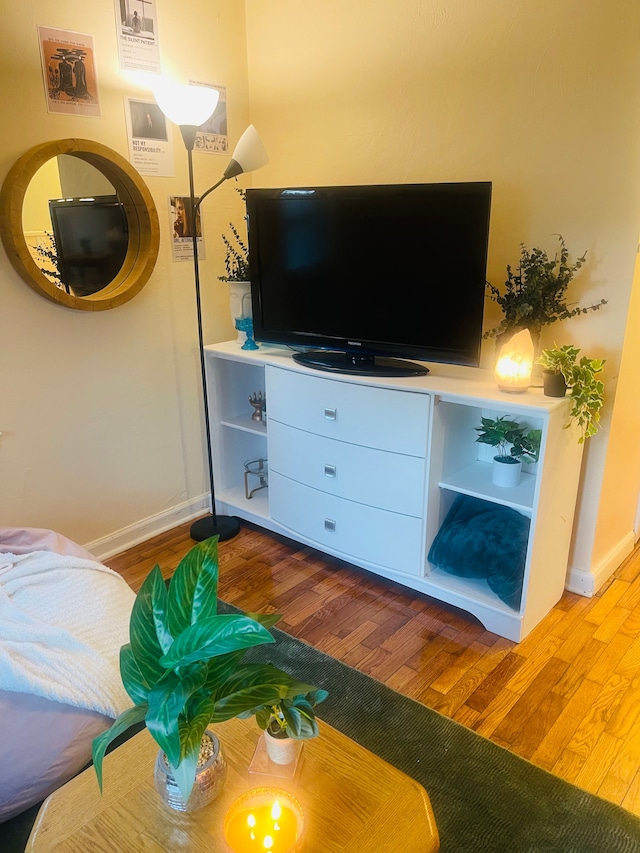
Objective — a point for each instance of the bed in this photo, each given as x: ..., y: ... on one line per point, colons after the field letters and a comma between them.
x: 63, y: 618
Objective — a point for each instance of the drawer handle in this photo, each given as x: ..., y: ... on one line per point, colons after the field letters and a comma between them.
x: 330, y: 414
x: 329, y: 470
x: 330, y: 525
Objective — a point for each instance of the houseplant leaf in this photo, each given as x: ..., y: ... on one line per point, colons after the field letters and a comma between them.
x: 193, y: 591
x: 132, y: 679
x: 120, y: 725
x: 145, y: 645
x: 214, y: 636
x: 167, y: 703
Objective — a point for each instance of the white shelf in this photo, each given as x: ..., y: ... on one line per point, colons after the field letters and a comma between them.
x: 471, y: 589
x: 245, y: 424
x: 475, y: 480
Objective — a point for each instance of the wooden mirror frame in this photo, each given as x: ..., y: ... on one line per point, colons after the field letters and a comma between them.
x: 142, y: 219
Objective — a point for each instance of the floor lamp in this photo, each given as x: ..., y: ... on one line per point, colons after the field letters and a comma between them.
x: 189, y: 107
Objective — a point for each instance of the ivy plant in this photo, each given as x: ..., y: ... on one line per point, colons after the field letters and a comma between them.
x: 290, y: 717
x: 582, y: 378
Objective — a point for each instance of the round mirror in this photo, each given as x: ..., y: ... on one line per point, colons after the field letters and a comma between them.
x: 79, y: 224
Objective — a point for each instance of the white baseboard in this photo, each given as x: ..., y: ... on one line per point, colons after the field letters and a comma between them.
x: 587, y: 583
x: 127, y: 537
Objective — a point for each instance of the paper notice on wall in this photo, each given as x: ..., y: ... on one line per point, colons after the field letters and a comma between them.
x: 181, y: 223
x: 212, y: 136
x: 150, y: 138
x: 137, y: 31
x: 69, y: 72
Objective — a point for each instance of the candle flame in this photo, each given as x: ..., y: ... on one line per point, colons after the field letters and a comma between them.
x: 251, y: 821
x: 276, y: 811
x: 268, y: 842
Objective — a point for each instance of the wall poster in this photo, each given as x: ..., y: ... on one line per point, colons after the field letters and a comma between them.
x: 69, y: 72
x: 182, y: 229
x: 212, y: 135
x: 137, y: 29
x: 150, y: 138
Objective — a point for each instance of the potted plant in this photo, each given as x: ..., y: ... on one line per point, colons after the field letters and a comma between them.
x: 183, y: 671
x: 514, y: 443
x: 562, y: 370
x: 236, y: 266
x: 535, y: 295
x: 287, y: 721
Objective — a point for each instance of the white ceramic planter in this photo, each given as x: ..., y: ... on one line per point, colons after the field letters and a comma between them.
x: 281, y: 750
x: 240, y: 302
x: 505, y: 474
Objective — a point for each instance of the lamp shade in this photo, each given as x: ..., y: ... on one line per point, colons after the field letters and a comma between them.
x: 185, y: 105
x: 248, y: 155
x: 515, y: 363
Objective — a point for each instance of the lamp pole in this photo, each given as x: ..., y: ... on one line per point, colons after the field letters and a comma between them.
x: 223, y: 526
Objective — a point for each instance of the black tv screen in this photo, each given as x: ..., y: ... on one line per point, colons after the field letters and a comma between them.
x: 91, y: 237
x: 370, y: 272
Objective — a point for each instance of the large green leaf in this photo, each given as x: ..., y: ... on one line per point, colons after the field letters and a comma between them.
x: 159, y: 604
x: 193, y: 591
x: 167, y: 702
x: 145, y: 644
x: 221, y: 668
x: 197, y: 716
x: 216, y: 635
x: 127, y: 719
x: 132, y: 678
x: 252, y: 686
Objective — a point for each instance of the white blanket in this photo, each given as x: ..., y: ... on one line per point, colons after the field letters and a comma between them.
x: 62, y: 622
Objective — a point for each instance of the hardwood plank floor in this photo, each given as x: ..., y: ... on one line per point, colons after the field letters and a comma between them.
x: 567, y: 698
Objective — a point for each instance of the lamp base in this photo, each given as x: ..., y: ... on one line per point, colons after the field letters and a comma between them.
x: 224, y: 526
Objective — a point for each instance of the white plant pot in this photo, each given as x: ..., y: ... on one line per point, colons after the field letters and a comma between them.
x: 506, y: 474
x: 240, y: 303
x: 281, y: 750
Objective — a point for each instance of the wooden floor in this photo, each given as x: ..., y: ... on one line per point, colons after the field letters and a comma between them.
x: 567, y: 697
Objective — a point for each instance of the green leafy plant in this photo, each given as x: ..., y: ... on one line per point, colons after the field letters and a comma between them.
x: 535, y: 294
x: 183, y: 665
x: 292, y: 717
x: 514, y: 442
x: 236, y: 257
x: 581, y: 377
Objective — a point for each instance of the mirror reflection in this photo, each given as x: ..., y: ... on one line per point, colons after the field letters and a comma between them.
x: 75, y: 225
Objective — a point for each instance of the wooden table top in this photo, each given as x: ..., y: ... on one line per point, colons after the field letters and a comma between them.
x: 352, y: 800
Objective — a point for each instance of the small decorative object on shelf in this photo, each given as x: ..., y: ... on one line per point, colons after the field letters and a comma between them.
x: 255, y: 468
x: 245, y: 324
x: 257, y: 401
x: 514, y: 364
x: 562, y: 370
x: 265, y: 819
x: 525, y: 447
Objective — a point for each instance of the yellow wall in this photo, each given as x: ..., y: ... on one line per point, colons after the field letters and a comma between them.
x: 100, y: 412
x: 540, y: 97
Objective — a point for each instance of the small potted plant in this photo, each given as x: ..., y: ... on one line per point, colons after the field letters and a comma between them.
x: 183, y: 671
x: 236, y: 266
x: 535, y: 295
x: 561, y: 370
x: 515, y: 445
x: 287, y: 721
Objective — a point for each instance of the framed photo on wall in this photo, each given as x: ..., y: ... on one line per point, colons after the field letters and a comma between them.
x: 69, y: 72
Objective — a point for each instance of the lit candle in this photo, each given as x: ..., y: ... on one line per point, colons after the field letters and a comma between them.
x: 264, y: 819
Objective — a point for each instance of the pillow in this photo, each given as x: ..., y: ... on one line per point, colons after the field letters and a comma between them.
x: 479, y: 539
x: 44, y: 744
x: 25, y: 540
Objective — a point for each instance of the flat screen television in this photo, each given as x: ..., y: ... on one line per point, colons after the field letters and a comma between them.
x: 91, y: 237
x: 369, y: 277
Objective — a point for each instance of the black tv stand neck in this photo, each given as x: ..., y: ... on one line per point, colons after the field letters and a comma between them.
x: 359, y: 365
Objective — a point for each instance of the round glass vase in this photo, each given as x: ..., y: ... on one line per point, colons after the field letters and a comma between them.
x: 210, y: 777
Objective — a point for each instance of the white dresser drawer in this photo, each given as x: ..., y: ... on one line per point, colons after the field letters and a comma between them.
x: 383, y: 418
x: 378, y: 478
x: 354, y: 530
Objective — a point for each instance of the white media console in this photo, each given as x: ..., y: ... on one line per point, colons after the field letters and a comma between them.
x: 366, y: 469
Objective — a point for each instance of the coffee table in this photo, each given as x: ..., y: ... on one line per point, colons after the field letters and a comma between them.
x: 353, y: 802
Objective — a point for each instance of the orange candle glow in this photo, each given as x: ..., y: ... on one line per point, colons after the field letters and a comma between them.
x: 264, y: 820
